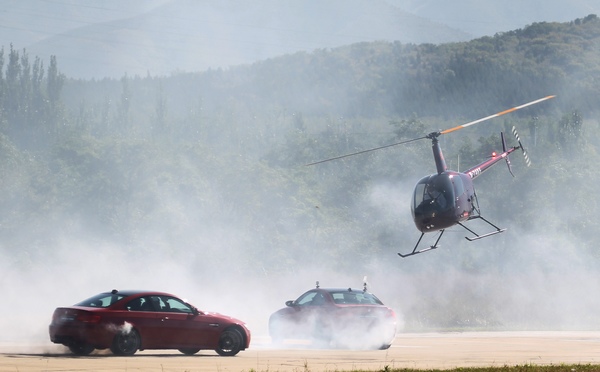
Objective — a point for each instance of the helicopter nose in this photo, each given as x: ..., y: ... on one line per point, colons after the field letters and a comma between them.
x: 424, y: 224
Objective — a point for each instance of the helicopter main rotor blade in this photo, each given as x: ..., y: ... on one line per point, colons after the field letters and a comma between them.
x: 365, y: 151
x: 496, y: 115
x: 436, y: 134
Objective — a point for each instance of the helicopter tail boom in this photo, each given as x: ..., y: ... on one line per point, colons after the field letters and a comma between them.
x: 480, y: 168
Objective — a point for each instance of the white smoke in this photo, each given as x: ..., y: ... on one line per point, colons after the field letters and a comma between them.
x: 124, y: 328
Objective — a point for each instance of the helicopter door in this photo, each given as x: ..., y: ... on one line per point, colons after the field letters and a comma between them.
x: 465, y: 196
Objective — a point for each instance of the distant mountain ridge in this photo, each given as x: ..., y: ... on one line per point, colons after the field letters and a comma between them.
x: 184, y: 35
x: 159, y: 37
x: 487, y: 17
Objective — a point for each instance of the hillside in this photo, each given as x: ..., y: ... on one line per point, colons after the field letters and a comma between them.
x: 488, y: 17
x: 184, y: 35
x: 159, y: 37
x: 388, y: 79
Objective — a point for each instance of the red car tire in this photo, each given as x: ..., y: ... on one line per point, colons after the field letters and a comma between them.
x: 81, y: 348
x: 230, y: 342
x: 126, y: 343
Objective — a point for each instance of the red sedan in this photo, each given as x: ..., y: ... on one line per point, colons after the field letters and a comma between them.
x: 127, y: 321
x: 347, y: 318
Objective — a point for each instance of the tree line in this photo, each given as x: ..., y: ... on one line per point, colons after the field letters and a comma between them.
x: 30, y: 97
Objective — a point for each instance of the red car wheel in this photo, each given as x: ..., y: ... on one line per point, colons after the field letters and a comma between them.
x: 230, y: 342
x: 189, y: 351
x: 126, y: 343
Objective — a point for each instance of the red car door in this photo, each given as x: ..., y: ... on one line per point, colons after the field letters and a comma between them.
x: 183, y: 326
x: 141, y: 314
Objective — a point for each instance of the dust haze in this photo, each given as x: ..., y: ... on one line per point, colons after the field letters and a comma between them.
x: 518, y: 280
x: 207, y: 251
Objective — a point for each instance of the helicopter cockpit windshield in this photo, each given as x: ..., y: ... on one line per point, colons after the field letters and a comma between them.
x: 434, y: 192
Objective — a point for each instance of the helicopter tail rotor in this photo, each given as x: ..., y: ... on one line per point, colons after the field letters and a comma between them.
x: 527, y: 160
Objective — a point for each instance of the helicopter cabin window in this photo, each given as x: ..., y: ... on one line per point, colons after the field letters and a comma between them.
x: 436, y: 191
x: 419, y: 195
x: 459, y: 187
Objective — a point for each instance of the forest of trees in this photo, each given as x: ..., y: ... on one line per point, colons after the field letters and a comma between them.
x: 208, y: 167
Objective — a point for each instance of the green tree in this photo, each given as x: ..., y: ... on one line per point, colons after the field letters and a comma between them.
x: 570, y: 129
x: 54, y: 86
x: 160, y: 113
x: 123, y: 110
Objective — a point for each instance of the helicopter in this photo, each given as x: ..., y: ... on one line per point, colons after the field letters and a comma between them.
x: 448, y: 198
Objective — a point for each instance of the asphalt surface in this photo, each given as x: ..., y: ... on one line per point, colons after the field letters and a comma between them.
x: 420, y: 351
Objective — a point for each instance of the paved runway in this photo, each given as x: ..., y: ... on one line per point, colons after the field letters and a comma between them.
x: 422, y: 351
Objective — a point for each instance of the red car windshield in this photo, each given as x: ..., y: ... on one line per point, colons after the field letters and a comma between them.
x: 101, y: 300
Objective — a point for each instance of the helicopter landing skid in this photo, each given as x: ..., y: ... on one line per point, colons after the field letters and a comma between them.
x: 432, y: 247
x: 477, y: 236
x: 435, y: 245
